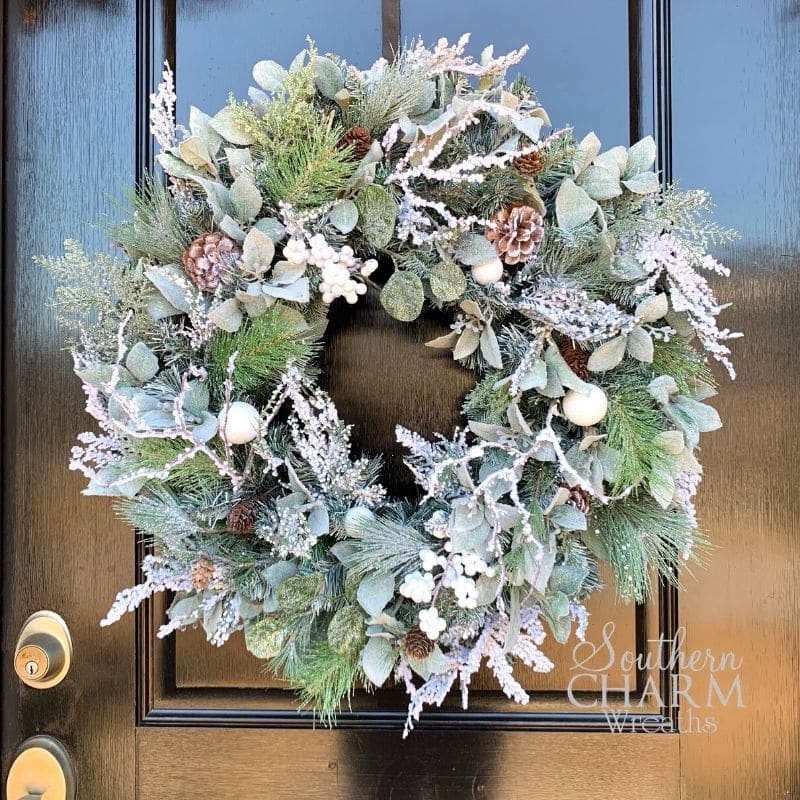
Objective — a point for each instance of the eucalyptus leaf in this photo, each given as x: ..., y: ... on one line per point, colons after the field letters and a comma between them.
x: 448, y: 281
x: 640, y: 345
x: 142, y: 362
x: 641, y: 156
x: 403, y: 296
x: 652, y: 308
x: 175, y: 166
x: 207, y: 428
x: 245, y: 197
x: 587, y: 150
x: 377, y: 214
x: 627, y: 268
x: 574, y: 207
x: 490, y: 349
x: 468, y: 342
x: 643, y: 183
x: 567, y: 579
x: 534, y: 376
x: 258, y: 251
x: 231, y: 227
x: 227, y: 315
x: 600, y: 183
x: 377, y: 660
x: 375, y: 590
x: 240, y: 160
x: 284, y: 273
x: 296, y: 292
x: 173, y: 284
x: 329, y: 80
x: 344, y: 216
x: 319, y: 521
x: 608, y: 355
x: 225, y: 124
x: 195, y: 153
x: 568, y: 517
x: 270, y: 76
x: 473, y: 249
x: 200, y: 126
x: 272, y: 227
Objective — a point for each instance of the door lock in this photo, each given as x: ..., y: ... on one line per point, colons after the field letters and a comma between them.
x: 43, y: 654
x: 41, y: 769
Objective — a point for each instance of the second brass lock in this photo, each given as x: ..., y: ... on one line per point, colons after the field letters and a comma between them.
x: 43, y: 653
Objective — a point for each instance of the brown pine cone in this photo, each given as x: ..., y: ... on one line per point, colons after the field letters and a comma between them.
x: 360, y: 139
x: 242, y: 517
x: 516, y: 233
x: 530, y: 164
x: 201, y: 573
x: 209, y: 259
x: 417, y: 644
x: 578, y: 497
x: 576, y: 358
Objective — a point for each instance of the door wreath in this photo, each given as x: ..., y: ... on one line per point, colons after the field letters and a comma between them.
x: 575, y: 285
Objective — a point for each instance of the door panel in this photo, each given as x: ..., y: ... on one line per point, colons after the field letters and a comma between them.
x: 404, y: 382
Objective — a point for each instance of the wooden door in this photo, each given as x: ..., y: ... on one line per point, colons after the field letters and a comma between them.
x: 177, y: 719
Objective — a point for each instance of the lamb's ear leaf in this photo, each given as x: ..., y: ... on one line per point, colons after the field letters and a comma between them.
x: 375, y: 591
x: 377, y: 660
x: 574, y: 207
x: 608, y: 355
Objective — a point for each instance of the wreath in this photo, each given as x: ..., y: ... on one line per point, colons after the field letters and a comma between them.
x: 575, y: 284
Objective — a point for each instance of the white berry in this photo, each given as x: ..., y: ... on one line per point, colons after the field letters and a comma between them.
x: 240, y: 424
x: 489, y: 272
x: 585, y: 410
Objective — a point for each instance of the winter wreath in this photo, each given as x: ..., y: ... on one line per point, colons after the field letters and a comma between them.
x: 574, y: 280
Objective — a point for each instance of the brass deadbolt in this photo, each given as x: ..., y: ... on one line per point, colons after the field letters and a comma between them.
x: 43, y: 653
x: 41, y: 769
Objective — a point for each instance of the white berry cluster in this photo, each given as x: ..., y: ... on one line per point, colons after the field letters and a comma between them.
x: 418, y: 586
x: 430, y: 623
x: 459, y: 575
x: 340, y: 268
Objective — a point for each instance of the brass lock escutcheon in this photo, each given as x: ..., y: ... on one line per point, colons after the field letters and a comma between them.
x: 43, y: 653
x: 41, y: 770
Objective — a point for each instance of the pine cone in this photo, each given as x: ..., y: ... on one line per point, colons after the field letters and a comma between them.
x: 530, y: 164
x: 201, y: 574
x: 578, y: 497
x: 242, y: 517
x: 417, y: 644
x: 516, y: 233
x: 361, y: 140
x: 208, y: 260
x: 576, y: 358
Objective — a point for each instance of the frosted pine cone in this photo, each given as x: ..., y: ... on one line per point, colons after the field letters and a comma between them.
x: 242, y: 517
x: 417, y: 644
x: 516, y: 233
x: 361, y: 140
x: 577, y: 359
x: 579, y: 498
x: 201, y: 573
x: 209, y: 259
x: 530, y: 164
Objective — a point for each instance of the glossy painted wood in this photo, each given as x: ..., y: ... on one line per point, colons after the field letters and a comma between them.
x: 734, y: 115
x: 69, y: 144
x: 344, y: 765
